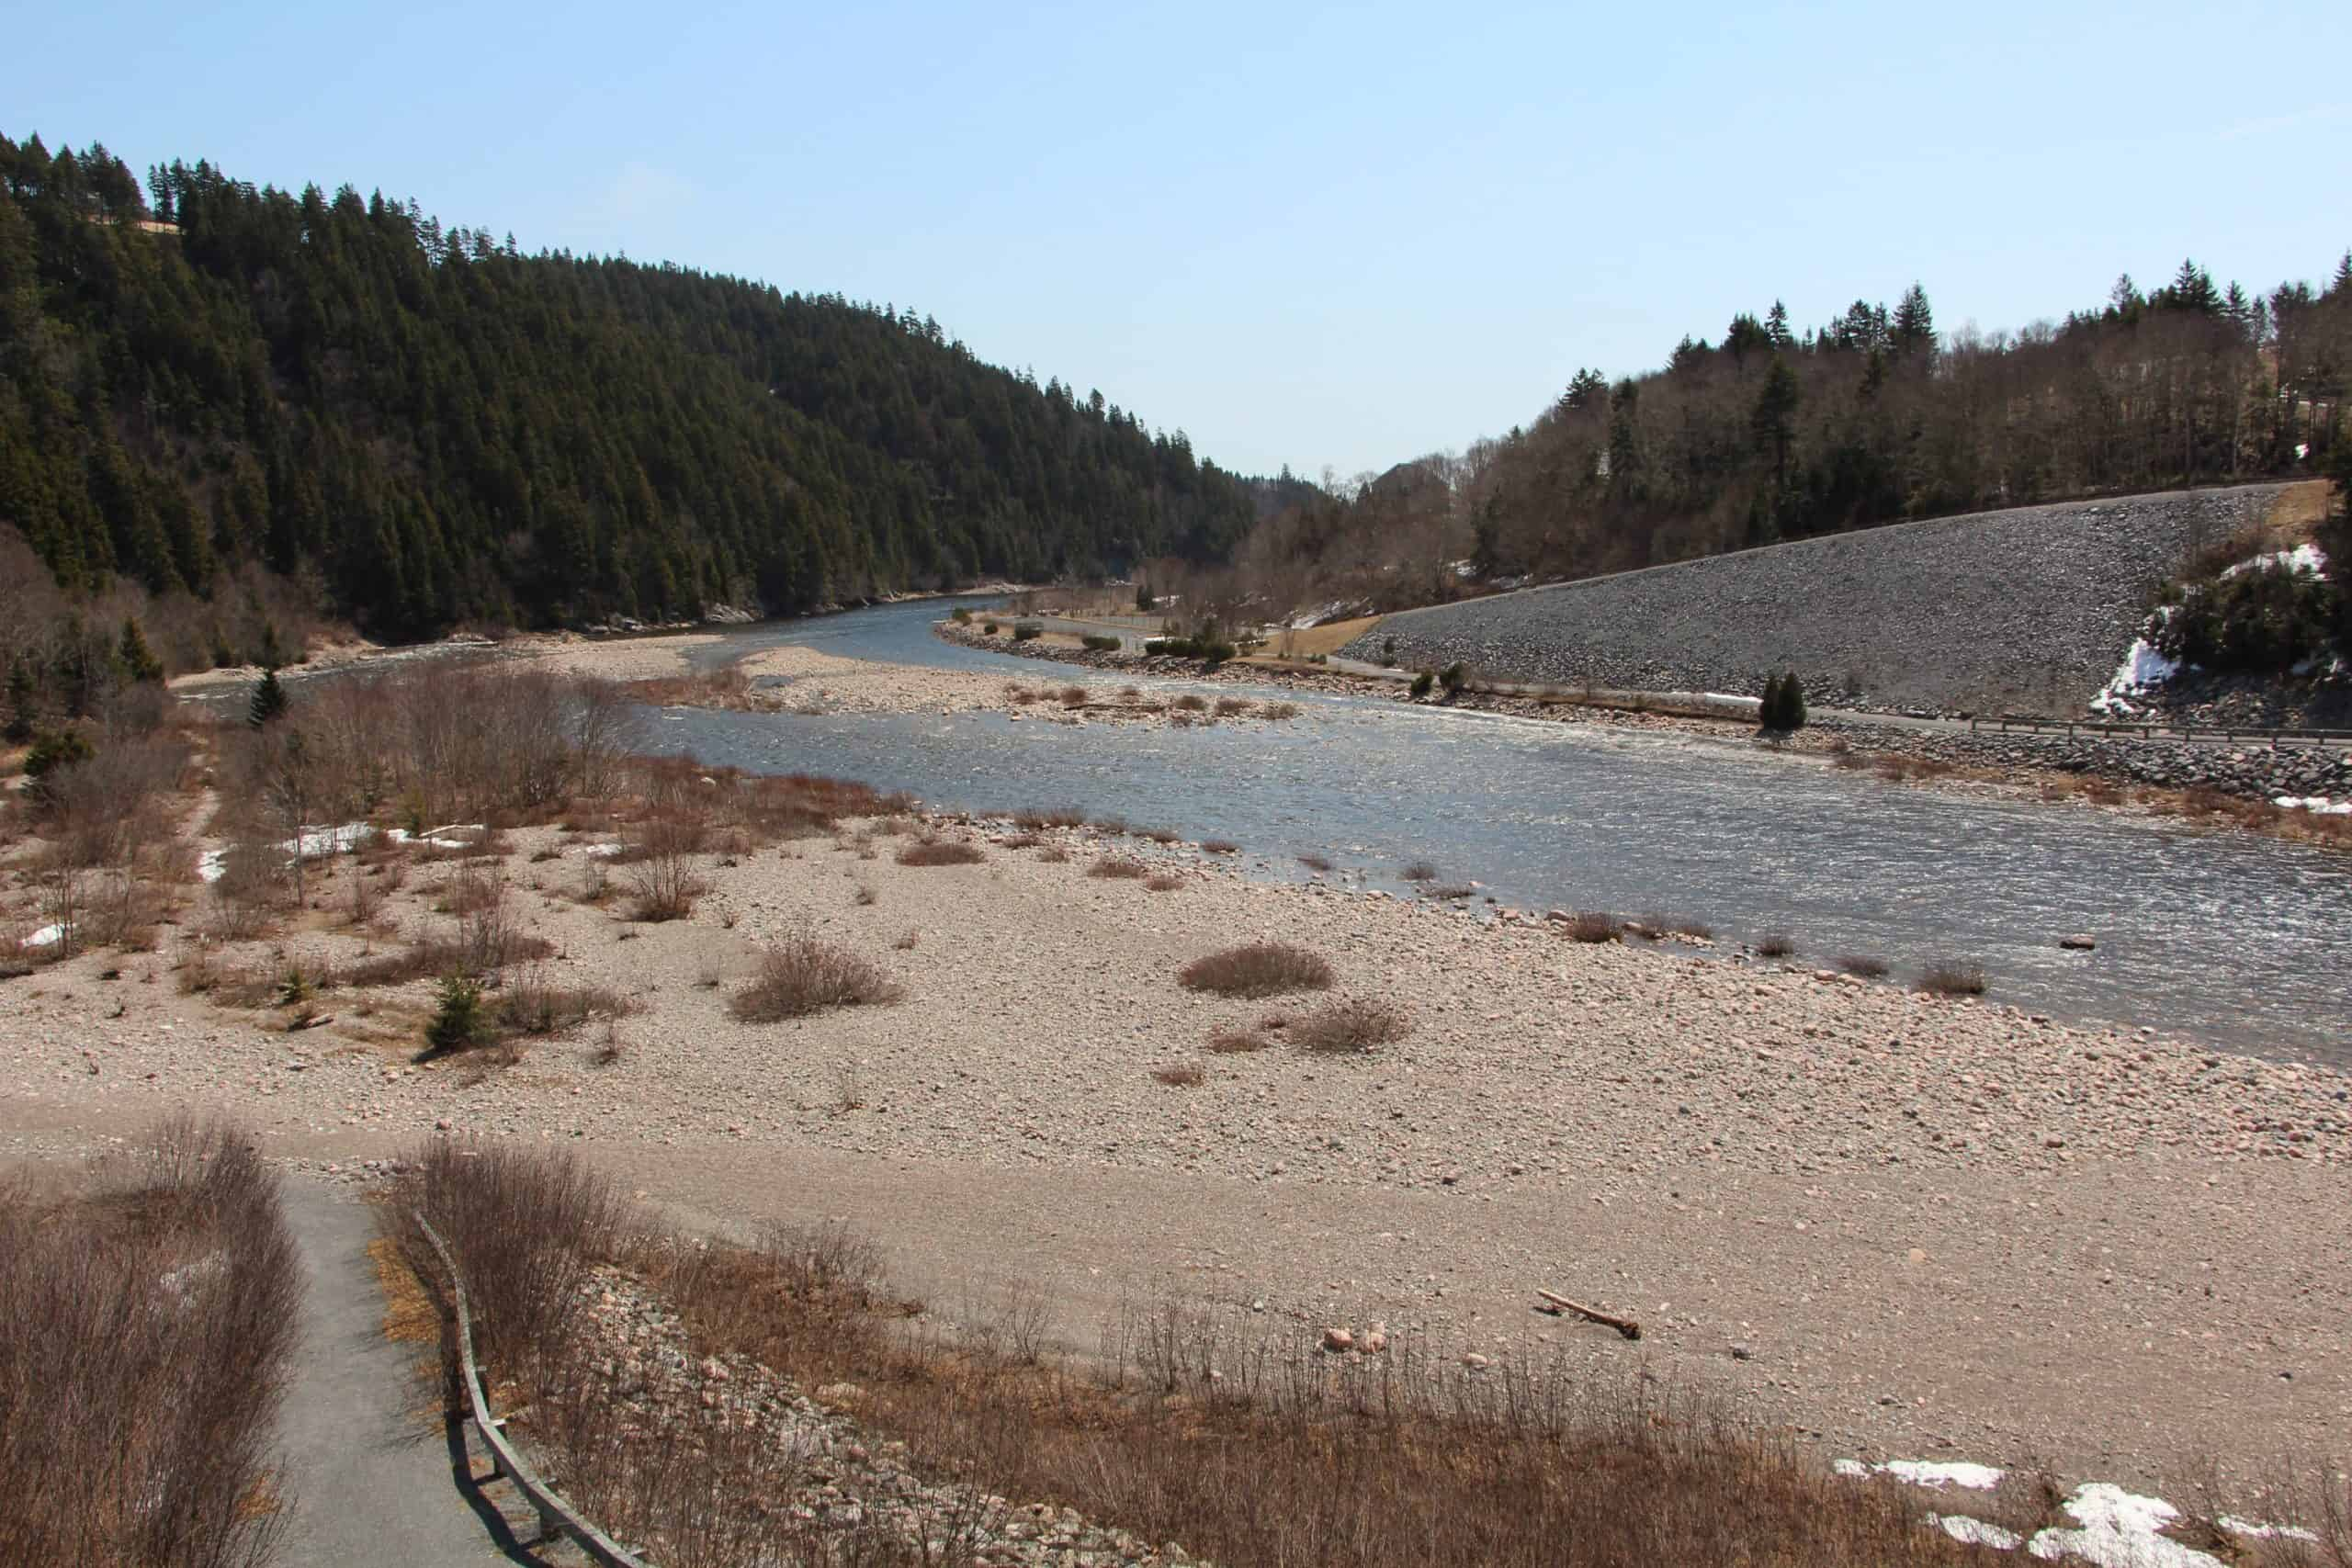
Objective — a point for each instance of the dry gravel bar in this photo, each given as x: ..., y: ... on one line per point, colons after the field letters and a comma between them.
x: 1930, y: 1225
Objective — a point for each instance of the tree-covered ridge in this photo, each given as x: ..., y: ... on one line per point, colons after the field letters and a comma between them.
x: 434, y: 427
x: 1877, y: 417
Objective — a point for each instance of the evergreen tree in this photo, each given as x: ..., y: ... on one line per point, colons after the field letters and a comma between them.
x: 268, y: 702
x: 1915, y: 324
x: 1776, y: 327
x: 1773, y: 422
x: 139, y: 662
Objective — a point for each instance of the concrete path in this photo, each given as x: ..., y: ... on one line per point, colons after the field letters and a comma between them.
x: 373, y: 1479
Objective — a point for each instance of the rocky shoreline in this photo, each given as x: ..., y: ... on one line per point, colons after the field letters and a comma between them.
x: 2022, y: 760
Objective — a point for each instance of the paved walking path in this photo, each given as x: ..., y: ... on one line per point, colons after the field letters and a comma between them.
x: 368, y: 1461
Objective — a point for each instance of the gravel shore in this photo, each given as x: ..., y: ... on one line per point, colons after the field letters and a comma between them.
x: 1926, y: 1222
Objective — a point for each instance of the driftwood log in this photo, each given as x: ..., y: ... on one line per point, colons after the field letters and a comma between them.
x: 1559, y: 1303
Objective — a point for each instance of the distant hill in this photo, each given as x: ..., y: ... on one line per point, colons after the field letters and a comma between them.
x: 428, y: 426
x: 1771, y: 434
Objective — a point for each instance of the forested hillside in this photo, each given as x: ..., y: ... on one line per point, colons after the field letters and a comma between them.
x: 425, y: 426
x: 1770, y: 434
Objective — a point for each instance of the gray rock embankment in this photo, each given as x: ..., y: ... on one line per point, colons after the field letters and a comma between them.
x: 2029, y: 610
x: 2251, y: 771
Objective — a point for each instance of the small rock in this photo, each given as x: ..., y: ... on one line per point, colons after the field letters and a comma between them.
x: 1475, y: 1362
x: 2081, y: 942
x: 1338, y: 1341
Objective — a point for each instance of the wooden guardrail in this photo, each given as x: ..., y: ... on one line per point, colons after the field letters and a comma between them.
x: 559, y: 1520
x: 2149, y: 730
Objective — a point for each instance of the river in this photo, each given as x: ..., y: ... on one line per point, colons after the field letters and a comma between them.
x: 2225, y: 937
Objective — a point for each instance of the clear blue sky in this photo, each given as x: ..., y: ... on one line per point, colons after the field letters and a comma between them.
x: 1344, y: 235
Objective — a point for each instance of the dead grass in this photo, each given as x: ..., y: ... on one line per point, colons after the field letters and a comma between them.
x: 1257, y: 970
x: 1182, y: 1074
x: 940, y: 852
x: 1419, y: 871
x: 1231, y: 707
x: 1316, y: 862
x: 1307, y: 643
x: 1775, y: 945
x: 151, y: 1314
x: 1163, y: 882
x: 1054, y: 854
x: 1236, y: 1041
x: 1350, y: 1024
x: 1447, y: 892
x: 1862, y: 964
x: 1119, y: 868
x: 1246, y: 1447
x: 1191, y: 702
x: 1952, y: 978
x: 801, y: 973
x: 1595, y: 926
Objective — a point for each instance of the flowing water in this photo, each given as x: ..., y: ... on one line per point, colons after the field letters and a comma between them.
x: 2226, y: 937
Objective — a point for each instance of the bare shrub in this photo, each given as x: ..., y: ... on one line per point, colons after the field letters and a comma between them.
x: 1231, y: 707
x: 1164, y: 883
x: 1057, y: 817
x: 1158, y: 835
x: 1054, y: 854
x: 906, y: 942
x: 531, y: 1003
x: 1952, y: 978
x: 1351, y: 1023
x: 1862, y: 964
x: 1315, y: 862
x: 1022, y: 841
x: 524, y: 1226
x: 428, y: 957
x: 1182, y: 1074
x: 1219, y: 847
x: 150, y: 1318
x: 1279, y: 711
x: 1119, y: 868
x: 1191, y: 703
x: 662, y: 873
x: 1073, y: 696
x: 940, y: 852
x: 801, y: 973
x: 1775, y: 945
x: 1595, y: 926
x: 1419, y: 871
x: 1234, y: 1041
x: 1448, y: 890
x: 1110, y: 827
x: 1257, y: 970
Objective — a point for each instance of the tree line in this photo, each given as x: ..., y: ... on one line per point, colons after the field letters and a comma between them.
x: 1769, y: 434
x: 244, y: 402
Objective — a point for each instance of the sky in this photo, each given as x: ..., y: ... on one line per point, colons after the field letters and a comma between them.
x: 1319, y: 236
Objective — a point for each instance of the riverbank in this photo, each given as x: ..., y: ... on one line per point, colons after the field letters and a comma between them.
x: 2215, y: 784
x: 1902, y: 1223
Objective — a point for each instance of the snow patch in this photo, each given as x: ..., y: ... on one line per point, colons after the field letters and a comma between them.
x: 210, y: 865
x: 2142, y: 667
x: 48, y: 936
x: 1976, y: 1532
x: 317, y: 843
x: 1924, y: 1472
x: 2303, y: 560
x: 2317, y: 804
x: 2120, y: 1530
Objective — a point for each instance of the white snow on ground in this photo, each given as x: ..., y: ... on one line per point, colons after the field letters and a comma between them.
x: 603, y: 851
x: 2113, y: 1529
x: 2120, y: 1530
x: 1976, y: 1532
x: 1929, y: 1472
x: 316, y: 843
x: 2142, y: 668
x: 2303, y: 560
x: 48, y: 936
x: 210, y: 865
x: 2317, y: 804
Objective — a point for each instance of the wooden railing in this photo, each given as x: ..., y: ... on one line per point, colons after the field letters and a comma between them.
x: 559, y: 1520
x: 2150, y: 729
